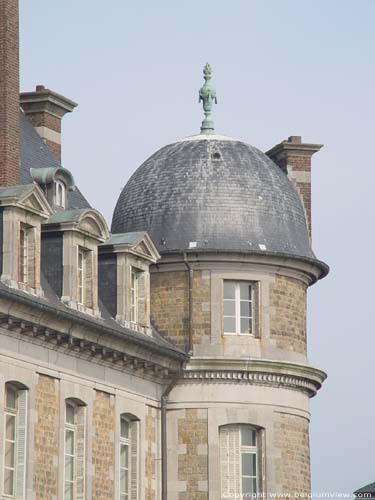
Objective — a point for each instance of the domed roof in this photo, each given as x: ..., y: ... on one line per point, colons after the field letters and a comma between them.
x: 213, y: 193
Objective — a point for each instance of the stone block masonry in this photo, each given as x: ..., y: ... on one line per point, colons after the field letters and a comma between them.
x: 288, y: 318
x: 201, y: 306
x: 292, y: 467
x: 46, y: 438
x: 150, y: 479
x: 103, y: 451
x: 193, y: 464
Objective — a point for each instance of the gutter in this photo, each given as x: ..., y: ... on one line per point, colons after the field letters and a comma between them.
x: 103, y: 329
x: 191, y: 273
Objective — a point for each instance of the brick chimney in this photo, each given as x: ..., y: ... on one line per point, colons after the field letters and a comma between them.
x: 45, y: 109
x: 294, y: 158
x: 9, y: 89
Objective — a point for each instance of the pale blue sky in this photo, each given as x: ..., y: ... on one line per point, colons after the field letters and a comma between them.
x: 281, y: 67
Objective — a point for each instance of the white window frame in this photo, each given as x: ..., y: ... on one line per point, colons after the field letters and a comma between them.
x: 19, y: 414
x: 81, y: 274
x: 137, y: 297
x: 237, y: 299
x: 60, y: 194
x: 230, y: 439
x: 26, y: 259
x: 125, y: 442
x: 71, y: 428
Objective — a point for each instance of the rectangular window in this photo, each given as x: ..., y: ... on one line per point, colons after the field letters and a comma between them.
x: 137, y: 296
x: 125, y: 459
x: 69, y: 463
x: 15, y: 441
x: 238, y: 308
x: 239, y: 462
x: 26, y: 260
x: 85, y: 277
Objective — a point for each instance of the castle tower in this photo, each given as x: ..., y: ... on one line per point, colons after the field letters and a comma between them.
x: 232, y: 227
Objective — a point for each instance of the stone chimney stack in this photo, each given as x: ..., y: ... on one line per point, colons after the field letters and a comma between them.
x: 9, y: 90
x: 45, y: 109
x: 294, y: 158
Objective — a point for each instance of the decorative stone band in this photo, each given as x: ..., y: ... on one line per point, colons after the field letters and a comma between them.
x: 257, y: 372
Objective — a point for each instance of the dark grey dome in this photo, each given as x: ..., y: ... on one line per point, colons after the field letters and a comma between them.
x: 214, y: 193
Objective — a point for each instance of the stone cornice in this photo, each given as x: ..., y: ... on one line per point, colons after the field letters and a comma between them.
x: 258, y: 372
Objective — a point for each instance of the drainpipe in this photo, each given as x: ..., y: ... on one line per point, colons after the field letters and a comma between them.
x: 190, y: 269
x: 164, y: 449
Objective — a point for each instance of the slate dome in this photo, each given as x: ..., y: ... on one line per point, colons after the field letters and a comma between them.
x: 213, y: 193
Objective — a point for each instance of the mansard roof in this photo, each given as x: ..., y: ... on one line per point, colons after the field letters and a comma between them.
x: 369, y: 488
x: 35, y: 154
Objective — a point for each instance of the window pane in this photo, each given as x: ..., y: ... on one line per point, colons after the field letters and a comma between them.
x: 245, y: 308
x: 245, y: 291
x: 69, y: 442
x: 230, y: 325
x: 124, y: 428
x: 229, y: 308
x: 246, y: 325
x: 248, y: 464
x: 11, y: 427
x: 11, y: 398
x: 124, y: 456
x: 8, y: 482
x: 249, y: 486
x: 248, y: 436
x: 9, y: 454
x: 229, y: 289
x: 69, y: 468
x: 70, y: 412
x: 124, y: 481
x: 68, y: 493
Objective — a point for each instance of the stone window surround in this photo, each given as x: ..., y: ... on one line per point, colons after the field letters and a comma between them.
x: 126, y: 262
x: 73, y: 241
x: 59, y: 197
x: 13, y: 219
x: 260, y: 439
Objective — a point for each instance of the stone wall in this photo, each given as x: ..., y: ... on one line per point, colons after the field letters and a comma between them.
x: 193, y: 455
x: 170, y: 305
x: 103, y: 452
x: 150, y: 465
x: 288, y: 314
x: 292, y: 467
x: 201, y: 306
x: 46, y: 438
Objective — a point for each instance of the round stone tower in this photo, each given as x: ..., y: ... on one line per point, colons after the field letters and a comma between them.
x: 232, y: 228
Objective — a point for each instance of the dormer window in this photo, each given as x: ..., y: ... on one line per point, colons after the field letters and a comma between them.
x: 60, y: 194
x: 27, y: 258
x: 85, y: 277
x: 137, y: 296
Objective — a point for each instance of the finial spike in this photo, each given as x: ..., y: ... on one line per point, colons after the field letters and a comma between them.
x: 207, y: 95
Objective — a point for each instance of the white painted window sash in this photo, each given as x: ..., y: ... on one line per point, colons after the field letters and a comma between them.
x: 237, y: 300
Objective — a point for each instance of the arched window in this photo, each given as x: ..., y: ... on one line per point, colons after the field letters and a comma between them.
x: 240, y: 461
x: 74, y: 450
x: 60, y: 194
x: 15, y: 413
x: 129, y: 456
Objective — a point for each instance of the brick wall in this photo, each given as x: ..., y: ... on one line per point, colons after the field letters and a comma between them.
x: 193, y: 458
x: 150, y: 454
x: 46, y: 439
x: 9, y: 91
x: 288, y: 314
x: 103, y: 452
x: 292, y: 467
x: 170, y: 305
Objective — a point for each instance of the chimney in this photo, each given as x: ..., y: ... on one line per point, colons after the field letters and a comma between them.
x: 45, y: 109
x: 294, y: 158
x: 9, y: 89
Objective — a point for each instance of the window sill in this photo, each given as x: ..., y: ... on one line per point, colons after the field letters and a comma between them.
x: 134, y: 326
x: 23, y: 287
x: 81, y: 307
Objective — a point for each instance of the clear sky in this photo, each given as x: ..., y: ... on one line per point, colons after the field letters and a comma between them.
x: 281, y: 67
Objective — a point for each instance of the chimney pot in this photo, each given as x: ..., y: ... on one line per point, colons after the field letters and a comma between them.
x: 39, y: 88
x: 295, y: 139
